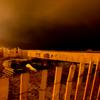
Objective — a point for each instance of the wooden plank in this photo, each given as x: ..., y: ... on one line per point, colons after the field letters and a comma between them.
x: 24, y: 85
x: 98, y: 95
x: 43, y: 85
x: 79, y: 81
x: 69, y: 82
x: 96, y: 82
x: 87, y: 85
x: 4, y: 88
x: 56, y: 88
x: 71, y: 56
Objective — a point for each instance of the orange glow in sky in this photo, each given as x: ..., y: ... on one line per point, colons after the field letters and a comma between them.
x: 17, y: 17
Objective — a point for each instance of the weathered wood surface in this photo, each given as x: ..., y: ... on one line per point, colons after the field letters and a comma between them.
x: 24, y: 85
x: 98, y: 95
x: 43, y: 83
x: 96, y: 82
x: 69, y: 82
x: 80, y: 56
x: 79, y: 81
x: 88, y: 81
x: 4, y: 88
x: 56, y: 88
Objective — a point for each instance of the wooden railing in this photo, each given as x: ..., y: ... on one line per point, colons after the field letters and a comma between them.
x: 87, y: 84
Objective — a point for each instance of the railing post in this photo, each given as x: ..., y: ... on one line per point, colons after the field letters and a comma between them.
x: 87, y: 84
x: 96, y: 82
x: 4, y: 88
x: 24, y: 85
x: 43, y: 85
x: 79, y: 80
x: 98, y: 95
x: 69, y: 82
x: 56, y: 88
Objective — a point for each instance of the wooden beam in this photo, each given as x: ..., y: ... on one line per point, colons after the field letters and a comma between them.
x: 56, y: 88
x: 65, y: 55
x: 43, y: 85
x: 87, y: 85
x: 69, y: 82
x: 96, y: 82
x: 4, y: 88
x: 24, y: 85
x: 79, y: 81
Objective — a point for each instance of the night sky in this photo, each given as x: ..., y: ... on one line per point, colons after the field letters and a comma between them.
x: 50, y: 24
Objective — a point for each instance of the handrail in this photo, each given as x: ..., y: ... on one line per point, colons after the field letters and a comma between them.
x: 65, y: 56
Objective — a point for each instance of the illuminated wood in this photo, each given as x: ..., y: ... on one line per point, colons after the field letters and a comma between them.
x: 24, y: 85
x: 42, y: 91
x: 4, y: 88
x: 56, y: 88
x: 96, y: 82
x: 84, y: 57
x: 69, y: 82
x: 88, y: 79
x: 98, y: 95
x: 71, y: 56
x: 79, y: 80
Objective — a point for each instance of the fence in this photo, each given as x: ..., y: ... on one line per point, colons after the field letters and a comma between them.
x: 87, y: 83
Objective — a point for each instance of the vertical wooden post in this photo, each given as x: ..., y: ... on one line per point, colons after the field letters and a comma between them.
x: 4, y: 88
x: 96, y: 82
x: 43, y: 85
x: 98, y: 95
x: 24, y: 85
x: 56, y: 88
x: 79, y: 80
x: 88, y: 79
x: 69, y: 82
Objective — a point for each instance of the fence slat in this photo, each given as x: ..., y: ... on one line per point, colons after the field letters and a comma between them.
x: 69, y: 82
x: 4, y: 88
x: 96, y: 82
x: 43, y: 85
x: 79, y: 80
x: 56, y: 88
x: 24, y: 85
x: 98, y: 95
x: 88, y: 80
